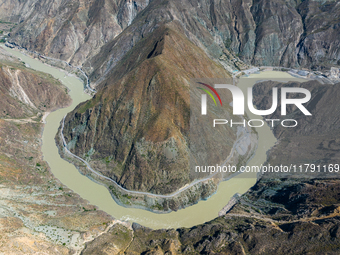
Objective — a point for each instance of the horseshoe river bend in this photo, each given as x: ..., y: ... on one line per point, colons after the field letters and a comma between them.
x: 98, y: 195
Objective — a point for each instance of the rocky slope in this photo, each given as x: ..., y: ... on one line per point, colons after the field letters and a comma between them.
x: 27, y: 93
x: 319, y: 44
x: 148, y: 92
x: 37, y: 212
x: 69, y: 30
x: 275, y: 216
x: 261, y: 32
x: 314, y: 140
x: 116, y: 39
x: 165, y: 45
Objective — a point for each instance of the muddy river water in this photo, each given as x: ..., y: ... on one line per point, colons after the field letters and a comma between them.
x: 98, y: 195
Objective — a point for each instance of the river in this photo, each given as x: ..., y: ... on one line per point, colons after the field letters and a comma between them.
x: 98, y: 195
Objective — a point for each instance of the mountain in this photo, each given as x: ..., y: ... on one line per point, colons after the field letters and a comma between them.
x: 259, y: 32
x: 125, y: 49
x: 143, y: 58
x: 314, y: 139
x: 69, y: 30
x: 136, y: 130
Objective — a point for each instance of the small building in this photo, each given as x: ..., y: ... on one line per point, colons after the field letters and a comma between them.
x: 303, y: 73
x: 335, y: 72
